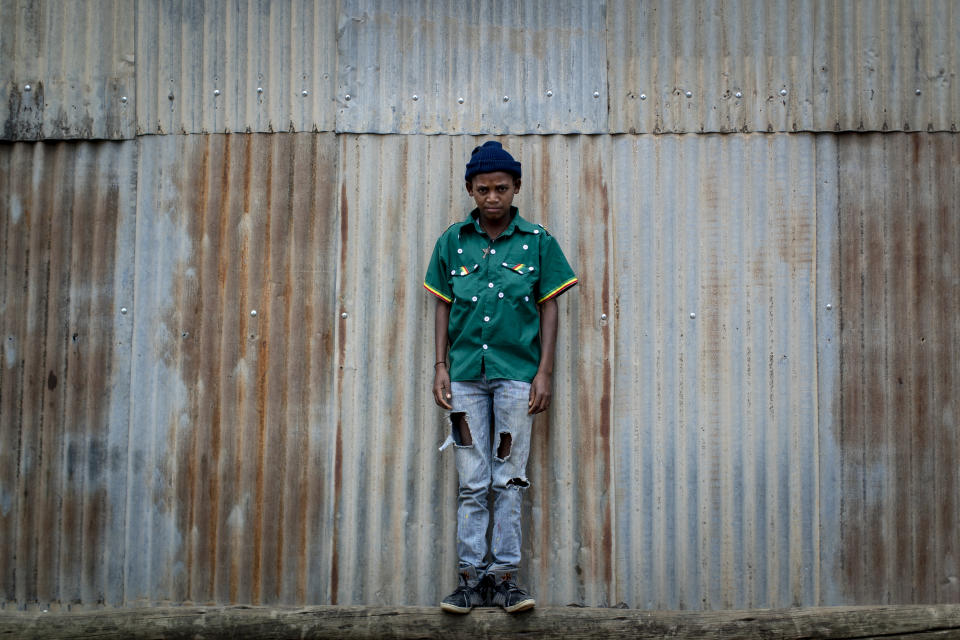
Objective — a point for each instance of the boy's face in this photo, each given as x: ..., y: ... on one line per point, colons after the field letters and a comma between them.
x: 493, y: 193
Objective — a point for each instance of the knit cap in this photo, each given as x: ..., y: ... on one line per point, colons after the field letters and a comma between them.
x: 490, y: 157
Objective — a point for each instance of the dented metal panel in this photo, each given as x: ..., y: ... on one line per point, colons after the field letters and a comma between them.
x: 68, y: 70
x: 807, y: 65
x: 235, y: 66
x: 495, y: 66
x: 899, y: 281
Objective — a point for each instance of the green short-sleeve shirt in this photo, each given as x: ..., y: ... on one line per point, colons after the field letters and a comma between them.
x: 494, y: 287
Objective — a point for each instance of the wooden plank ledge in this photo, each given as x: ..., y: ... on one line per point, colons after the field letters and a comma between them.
x: 902, y: 621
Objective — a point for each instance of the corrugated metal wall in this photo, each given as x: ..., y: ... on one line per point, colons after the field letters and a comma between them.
x: 217, y: 354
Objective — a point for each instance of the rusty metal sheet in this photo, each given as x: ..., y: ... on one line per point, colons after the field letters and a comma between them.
x: 714, y: 326
x: 235, y: 66
x: 783, y: 65
x: 232, y: 460
x: 490, y: 67
x: 759, y: 452
x: 68, y: 69
x: 900, y: 341
x: 66, y: 237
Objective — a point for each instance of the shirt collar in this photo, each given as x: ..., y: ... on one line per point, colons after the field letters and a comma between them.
x: 516, y: 223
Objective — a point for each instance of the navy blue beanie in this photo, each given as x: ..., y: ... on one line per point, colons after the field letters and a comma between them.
x: 490, y: 157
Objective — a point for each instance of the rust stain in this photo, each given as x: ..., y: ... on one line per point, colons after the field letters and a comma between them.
x: 895, y: 284
x: 605, y: 398
x: 341, y: 360
x: 263, y: 363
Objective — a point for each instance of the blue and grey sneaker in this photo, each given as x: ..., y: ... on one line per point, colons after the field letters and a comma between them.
x: 465, y: 597
x: 512, y: 598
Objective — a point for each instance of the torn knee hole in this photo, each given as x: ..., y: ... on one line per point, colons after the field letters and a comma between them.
x: 518, y: 482
x: 461, y: 430
x: 504, y: 449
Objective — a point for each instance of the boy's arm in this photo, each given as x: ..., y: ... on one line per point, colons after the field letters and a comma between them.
x: 540, y: 388
x: 441, y: 377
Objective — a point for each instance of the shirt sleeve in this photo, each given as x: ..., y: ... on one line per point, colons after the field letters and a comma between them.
x: 556, y: 276
x: 437, y: 281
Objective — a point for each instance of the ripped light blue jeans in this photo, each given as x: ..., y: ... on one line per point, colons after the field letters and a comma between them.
x: 481, y: 470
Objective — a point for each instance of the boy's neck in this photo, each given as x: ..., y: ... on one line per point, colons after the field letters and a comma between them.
x: 494, y: 229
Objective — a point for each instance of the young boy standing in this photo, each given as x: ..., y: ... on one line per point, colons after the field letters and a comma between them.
x: 496, y: 278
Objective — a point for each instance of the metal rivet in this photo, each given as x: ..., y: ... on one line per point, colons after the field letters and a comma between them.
x: 549, y: 93
x: 123, y: 99
x: 415, y: 97
x: 123, y: 310
x: 506, y: 98
x: 170, y: 96
x: 344, y: 315
x: 459, y: 100
x: 27, y: 88
x: 596, y: 94
x: 689, y: 94
x: 918, y: 92
x: 259, y: 89
x: 603, y: 317
x: 829, y: 306
x: 253, y: 313
x: 347, y: 97
x: 216, y: 92
x: 783, y: 92
x: 643, y: 96
x: 738, y: 94
x: 304, y: 93
x: 693, y: 316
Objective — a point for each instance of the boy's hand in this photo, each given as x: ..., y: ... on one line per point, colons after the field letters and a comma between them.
x: 441, y: 387
x: 540, y: 393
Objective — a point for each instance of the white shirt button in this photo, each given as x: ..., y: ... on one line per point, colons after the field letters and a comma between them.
x: 524, y: 247
x: 531, y: 269
x: 500, y: 295
x: 485, y: 347
x: 493, y: 251
x: 490, y: 284
x: 486, y: 318
x: 536, y: 231
x: 474, y: 298
x: 454, y: 272
x: 526, y: 298
x: 459, y: 250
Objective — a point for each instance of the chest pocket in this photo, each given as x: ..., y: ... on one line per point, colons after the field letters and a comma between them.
x: 463, y: 280
x: 519, y: 279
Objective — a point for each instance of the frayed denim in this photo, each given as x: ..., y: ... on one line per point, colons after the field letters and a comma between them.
x: 481, y: 470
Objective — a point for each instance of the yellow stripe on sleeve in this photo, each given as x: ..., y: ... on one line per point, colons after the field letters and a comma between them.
x: 436, y: 293
x: 566, y: 285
